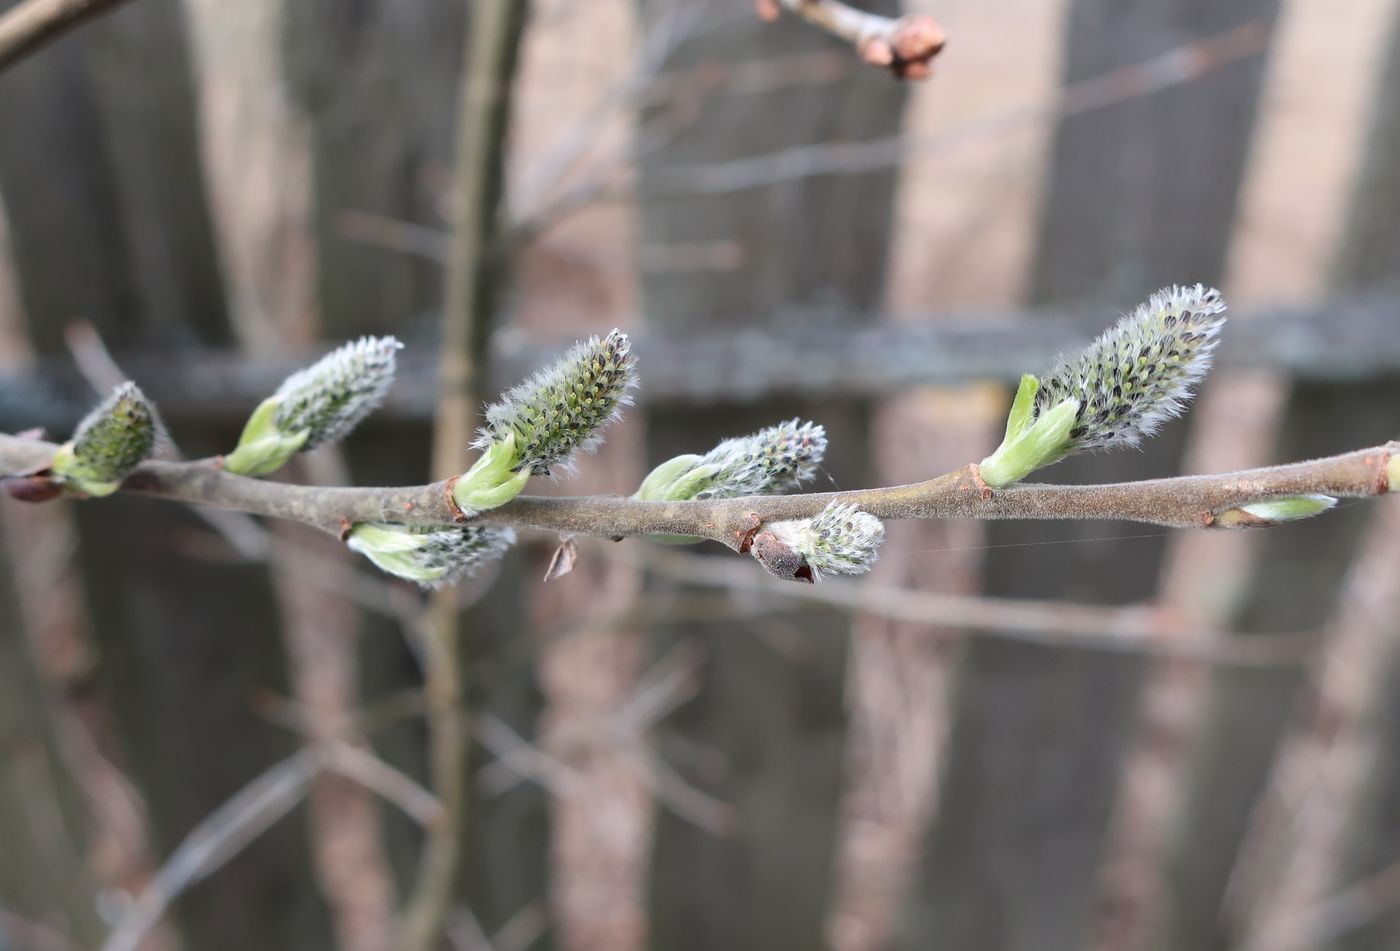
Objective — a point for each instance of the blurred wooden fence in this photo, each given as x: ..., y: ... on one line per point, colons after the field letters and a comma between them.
x: 106, y: 186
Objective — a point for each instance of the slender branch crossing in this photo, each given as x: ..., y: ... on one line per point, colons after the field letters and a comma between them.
x: 904, y: 45
x: 34, y: 23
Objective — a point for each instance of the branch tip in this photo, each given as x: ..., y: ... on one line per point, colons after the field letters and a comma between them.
x: 904, y: 45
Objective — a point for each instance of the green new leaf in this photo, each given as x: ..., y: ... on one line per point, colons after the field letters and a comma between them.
x: 671, y: 480
x: 1044, y: 443
x: 494, y: 479
x: 1022, y: 407
x: 264, y: 447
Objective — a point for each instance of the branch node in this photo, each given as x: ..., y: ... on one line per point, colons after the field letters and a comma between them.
x: 747, y: 535
x: 977, y: 480
x: 457, y: 514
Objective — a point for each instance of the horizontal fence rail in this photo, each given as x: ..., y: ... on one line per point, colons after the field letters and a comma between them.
x: 1338, y: 340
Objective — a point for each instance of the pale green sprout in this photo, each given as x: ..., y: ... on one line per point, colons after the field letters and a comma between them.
x: 1031, y: 441
x: 109, y: 443
x: 1290, y: 509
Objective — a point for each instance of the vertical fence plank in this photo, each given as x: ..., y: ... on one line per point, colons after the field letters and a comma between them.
x: 44, y: 876
x: 1371, y: 256
x: 150, y: 126
x: 104, y: 195
x: 1293, y: 588
x: 66, y: 234
x: 378, y: 84
x: 346, y: 71
x: 766, y: 731
x: 1141, y: 194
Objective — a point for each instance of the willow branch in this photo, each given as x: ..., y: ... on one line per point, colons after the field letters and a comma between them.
x: 1199, y: 501
x: 34, y: 23
x: 904, y: 45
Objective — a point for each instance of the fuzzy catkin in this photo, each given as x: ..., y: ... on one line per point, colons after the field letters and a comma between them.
x: 330, y: 397
x: 433, y: 557
x: 563, y: 408
x: 841, y: 540
x: 458, y: 552
x: 1140, y: 373
x: 116, y: 436
x: 776, y: 459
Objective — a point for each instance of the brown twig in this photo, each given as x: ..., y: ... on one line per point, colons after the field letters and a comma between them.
x: 221, y: 836
x: 1200, y: 501
x: 1140, y: 628
x: 904, y: 45
x: 1176, y: 66
x: 35, y: 23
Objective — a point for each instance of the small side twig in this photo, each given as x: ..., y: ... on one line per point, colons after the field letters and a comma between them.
x: 35, y: 23
x: 1142, y: 628
x: 221, y: 836
x: 904, y: 45
x: 391, y: 784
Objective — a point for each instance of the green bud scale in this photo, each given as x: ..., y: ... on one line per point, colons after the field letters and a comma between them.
x: 564, y: 407
x: 432, y: 557
x: 109, y: 443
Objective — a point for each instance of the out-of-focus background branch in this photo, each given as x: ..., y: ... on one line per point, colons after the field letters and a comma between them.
x: 1154, y: 741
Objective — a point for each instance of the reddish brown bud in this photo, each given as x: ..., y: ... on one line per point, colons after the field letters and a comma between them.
x: 33, y: 488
